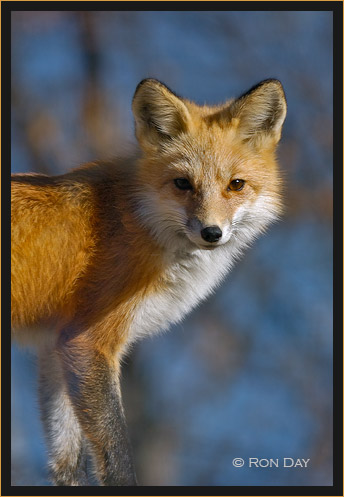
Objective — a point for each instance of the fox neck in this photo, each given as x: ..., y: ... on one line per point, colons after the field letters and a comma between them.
x: 186, y: 280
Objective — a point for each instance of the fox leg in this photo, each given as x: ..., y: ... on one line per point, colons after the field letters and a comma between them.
x: 66, y: 444
x: 94, y: 390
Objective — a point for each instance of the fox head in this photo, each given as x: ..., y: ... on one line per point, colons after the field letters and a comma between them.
x: 208, y: 175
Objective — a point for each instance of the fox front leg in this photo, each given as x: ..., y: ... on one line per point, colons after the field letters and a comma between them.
x: 94, y: 390
x: 65, y: 440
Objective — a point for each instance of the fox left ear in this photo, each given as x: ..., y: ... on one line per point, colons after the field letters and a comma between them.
x: 261, y: 111
x: 159, y: 114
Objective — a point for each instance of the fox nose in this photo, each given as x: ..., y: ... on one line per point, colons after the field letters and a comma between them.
x: 211, y: 234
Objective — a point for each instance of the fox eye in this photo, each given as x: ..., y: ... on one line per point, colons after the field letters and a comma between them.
x: 236, y: 185
x: 183, y: 184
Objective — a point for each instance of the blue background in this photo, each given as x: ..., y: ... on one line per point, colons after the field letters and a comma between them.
x: 249, y: 373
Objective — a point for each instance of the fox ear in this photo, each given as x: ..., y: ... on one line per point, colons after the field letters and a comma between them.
x: 159, y: 114
x: 261, y: 111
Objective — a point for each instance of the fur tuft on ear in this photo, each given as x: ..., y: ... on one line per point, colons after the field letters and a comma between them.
x: 159, y: 113
x: 261, y: 111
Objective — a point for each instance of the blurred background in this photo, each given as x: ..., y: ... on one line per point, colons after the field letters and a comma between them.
x: 249, y: 373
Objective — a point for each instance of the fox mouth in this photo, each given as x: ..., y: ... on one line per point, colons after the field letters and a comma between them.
x: 208, y: 247
x: 205, y: 246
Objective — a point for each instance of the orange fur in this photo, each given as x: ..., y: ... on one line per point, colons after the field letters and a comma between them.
x: 67, y: 267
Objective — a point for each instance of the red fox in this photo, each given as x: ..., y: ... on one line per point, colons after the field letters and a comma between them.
x: 115, y: 250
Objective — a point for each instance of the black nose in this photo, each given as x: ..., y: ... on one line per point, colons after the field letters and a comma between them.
x: 211, y: 234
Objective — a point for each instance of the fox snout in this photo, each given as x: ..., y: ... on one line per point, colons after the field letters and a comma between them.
x: 207, y: 235
x: 211, y: 234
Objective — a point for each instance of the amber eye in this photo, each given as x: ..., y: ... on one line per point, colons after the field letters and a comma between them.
x: 183, y: 184
x: 236, y: 185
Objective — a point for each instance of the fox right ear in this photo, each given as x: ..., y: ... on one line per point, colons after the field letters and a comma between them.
x: 159, y: 114
x: 261, y: 111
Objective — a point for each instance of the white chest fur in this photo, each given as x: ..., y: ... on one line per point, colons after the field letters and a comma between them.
x: 188, y: 280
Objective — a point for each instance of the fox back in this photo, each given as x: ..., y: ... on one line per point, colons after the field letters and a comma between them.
x: 115, y: 250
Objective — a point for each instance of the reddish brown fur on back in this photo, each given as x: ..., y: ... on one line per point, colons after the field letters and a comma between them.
x: 52, y: 243
x: 78, y: 253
